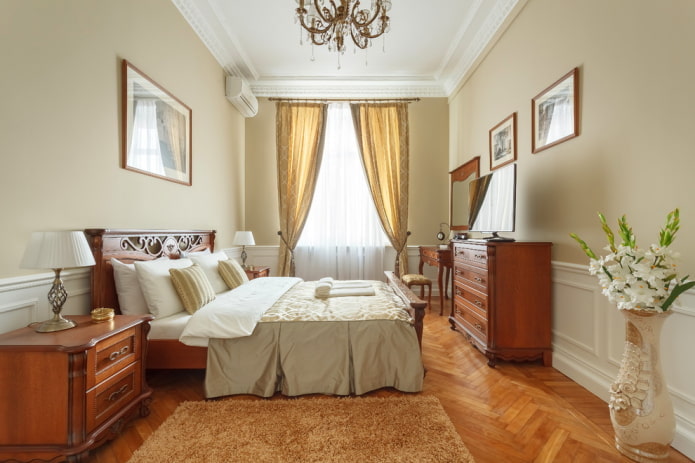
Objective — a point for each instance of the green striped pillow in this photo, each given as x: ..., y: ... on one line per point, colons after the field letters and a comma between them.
x: 232, y: 273
x: 192, y: 286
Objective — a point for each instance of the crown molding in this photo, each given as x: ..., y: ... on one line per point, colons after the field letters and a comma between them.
x: 455, y: 74
x: 461, y: 60
x: 204, y: 21
x: 313, y: 88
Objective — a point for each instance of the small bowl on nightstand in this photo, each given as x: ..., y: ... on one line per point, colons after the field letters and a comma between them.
x: 102, y: 314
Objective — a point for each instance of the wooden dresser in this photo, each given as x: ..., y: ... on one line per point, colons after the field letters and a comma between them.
x: 64, y: 393
x: 502, y: 298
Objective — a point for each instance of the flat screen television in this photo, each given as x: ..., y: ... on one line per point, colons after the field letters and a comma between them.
x: 492, y: 203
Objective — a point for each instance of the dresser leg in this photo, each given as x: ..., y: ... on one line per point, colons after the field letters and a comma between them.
x: 491, y: 362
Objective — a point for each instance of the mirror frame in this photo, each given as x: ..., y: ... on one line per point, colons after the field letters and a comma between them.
x: 174, y: 168
x: 461, y: 174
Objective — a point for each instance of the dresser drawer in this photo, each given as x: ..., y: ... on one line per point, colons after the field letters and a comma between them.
x: 472, y: 276
x: 113, y: 354
x: 113, y: 394
x: 470, y: 296
x: 474, y: 324
x: 475, y: 255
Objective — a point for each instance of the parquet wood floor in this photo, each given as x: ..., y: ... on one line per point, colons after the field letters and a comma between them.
x: 513, y: 413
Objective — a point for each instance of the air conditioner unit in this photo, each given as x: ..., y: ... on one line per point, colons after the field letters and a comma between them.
x: 241, y: 96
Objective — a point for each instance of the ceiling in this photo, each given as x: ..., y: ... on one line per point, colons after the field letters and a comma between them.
x: 432, y: 47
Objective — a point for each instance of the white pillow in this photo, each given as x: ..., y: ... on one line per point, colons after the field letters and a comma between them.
x: 130, y: 297
x: 155, y: 283
x: 209, y: 265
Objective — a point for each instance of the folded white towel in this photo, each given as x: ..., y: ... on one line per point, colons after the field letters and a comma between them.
x: 351, y: 284
x: 322, y: 289
x: 328, y: 280
x: 342, y: 292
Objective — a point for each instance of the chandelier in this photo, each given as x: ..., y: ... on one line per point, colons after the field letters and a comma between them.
x: 328, y: 23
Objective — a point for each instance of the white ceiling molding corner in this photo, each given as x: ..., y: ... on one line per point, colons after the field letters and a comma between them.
x: 494, y: 26
x: 205, y: 23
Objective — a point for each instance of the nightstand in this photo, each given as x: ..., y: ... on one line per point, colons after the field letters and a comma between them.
x: 66, y: 392
x: 257, y: 272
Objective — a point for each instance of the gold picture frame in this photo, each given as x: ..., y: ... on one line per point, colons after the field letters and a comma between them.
x: 156, y: 129
x: 555, y: 113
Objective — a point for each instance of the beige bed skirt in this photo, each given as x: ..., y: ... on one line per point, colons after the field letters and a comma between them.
x: 325, y: 357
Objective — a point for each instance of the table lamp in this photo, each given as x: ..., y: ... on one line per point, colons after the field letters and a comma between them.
x: 244, y: 238
x: 57, y: 250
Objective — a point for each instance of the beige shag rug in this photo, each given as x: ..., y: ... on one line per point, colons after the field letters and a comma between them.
x: 370, y: 429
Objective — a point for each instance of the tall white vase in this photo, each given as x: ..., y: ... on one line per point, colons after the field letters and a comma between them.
x: 640, y: 405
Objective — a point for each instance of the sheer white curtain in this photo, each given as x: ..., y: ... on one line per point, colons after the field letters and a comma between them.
x: 342, y: 237
x: 144, y: 150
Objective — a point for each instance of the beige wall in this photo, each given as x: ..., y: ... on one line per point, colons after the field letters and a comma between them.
x: 429, y: 179
x: 634, y: 154
x: 60, y: 123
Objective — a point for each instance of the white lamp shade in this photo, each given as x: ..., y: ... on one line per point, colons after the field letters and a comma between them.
x: 244, y: 238
x: 57, y: 249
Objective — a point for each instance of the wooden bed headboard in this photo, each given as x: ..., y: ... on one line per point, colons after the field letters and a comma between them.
x: 129, y: 246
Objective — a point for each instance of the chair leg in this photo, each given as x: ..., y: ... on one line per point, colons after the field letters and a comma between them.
x: 429, y: 296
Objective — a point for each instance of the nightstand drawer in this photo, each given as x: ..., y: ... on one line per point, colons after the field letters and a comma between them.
x: 114, y: 354
x: 110, y: 396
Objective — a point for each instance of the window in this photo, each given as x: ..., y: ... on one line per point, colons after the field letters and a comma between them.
x: 342, y: 237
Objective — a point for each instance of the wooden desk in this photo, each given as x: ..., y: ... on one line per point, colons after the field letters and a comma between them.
x: 441, y: 258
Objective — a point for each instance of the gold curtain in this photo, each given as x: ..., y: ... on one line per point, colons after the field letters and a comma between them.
x: 299, y: 129
x: 382, y: 133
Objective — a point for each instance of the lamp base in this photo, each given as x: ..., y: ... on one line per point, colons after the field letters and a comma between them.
x: 57, y: 323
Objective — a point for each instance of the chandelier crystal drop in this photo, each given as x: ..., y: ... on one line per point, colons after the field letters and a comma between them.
x: 330, y: 23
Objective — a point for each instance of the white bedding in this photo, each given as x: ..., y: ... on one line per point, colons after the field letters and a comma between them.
x: 235, y: 313
x: 169, y: 327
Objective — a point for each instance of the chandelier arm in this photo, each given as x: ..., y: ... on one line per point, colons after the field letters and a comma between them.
x: 329, y: 18
x: 366, y: 33
x: 354, y: 15
x: 360, y: 40
x: 311, y: 29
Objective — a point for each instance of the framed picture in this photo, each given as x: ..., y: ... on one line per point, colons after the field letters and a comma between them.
x: 503, y: 142
x: 156, y: 129
x: 555, y: 113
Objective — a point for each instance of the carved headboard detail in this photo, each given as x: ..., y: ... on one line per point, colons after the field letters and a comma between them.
x: 129, y: 246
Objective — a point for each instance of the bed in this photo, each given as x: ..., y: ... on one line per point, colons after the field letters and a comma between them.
x: 294, y: 357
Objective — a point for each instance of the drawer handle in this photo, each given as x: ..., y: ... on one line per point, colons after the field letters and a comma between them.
x: 458, y: 272
x: 479, y: 327
x: 114, y: 355
x: 459, y: 292
x: 478, y: 279
x: 480, y: 256
x: 478, y: 303
x: 115, y: 395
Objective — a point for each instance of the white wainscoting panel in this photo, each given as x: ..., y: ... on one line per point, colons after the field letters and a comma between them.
x: 24, y: 300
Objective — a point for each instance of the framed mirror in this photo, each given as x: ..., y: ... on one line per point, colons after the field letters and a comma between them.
x: 459, y: 180
x: 156, y: 130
